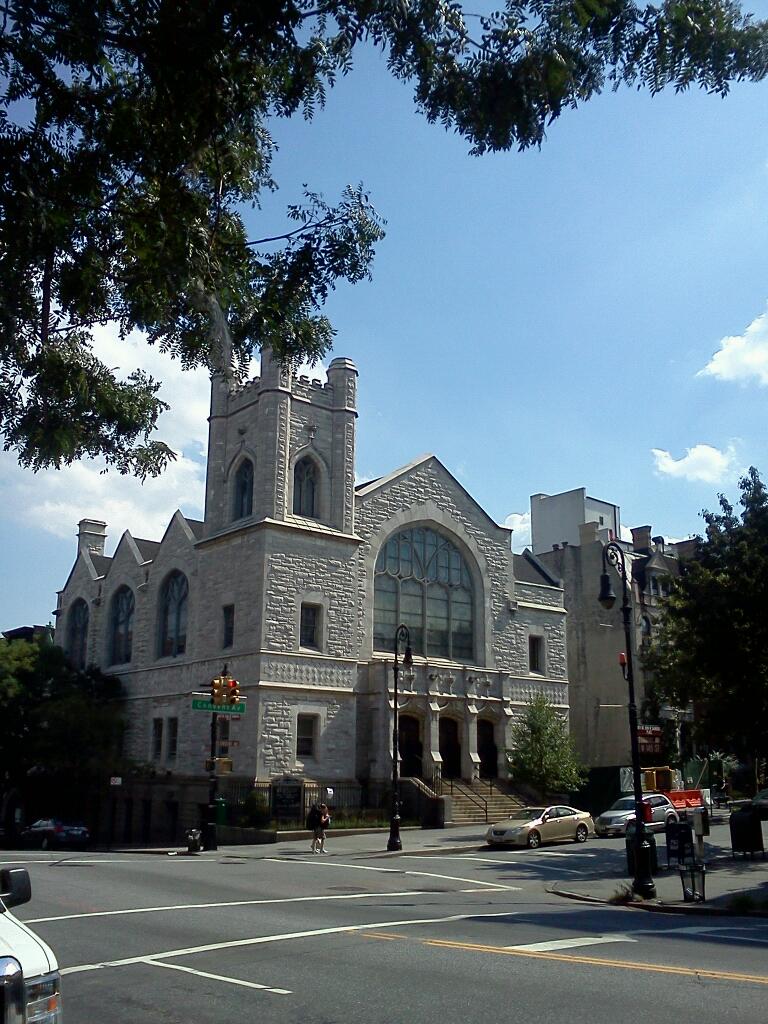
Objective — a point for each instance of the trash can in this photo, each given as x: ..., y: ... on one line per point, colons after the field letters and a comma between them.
x: 653, y: 857
x: 746, y: 832
x: 194, y: 840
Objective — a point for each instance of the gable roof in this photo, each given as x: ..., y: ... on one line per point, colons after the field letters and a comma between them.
x: 366, y: 490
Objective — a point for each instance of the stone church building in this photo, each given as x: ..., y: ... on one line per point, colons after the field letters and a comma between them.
x: 297, y: 579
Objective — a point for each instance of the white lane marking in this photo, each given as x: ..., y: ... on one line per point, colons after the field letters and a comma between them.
x: 399, y: 871
x: 214, y: 906
x: 219, y: 977
x: 283, y: 937
x: 582, y: 940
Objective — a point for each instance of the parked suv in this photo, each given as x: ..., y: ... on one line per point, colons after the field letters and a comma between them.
x: 620, y: 818
x: 30, y: 987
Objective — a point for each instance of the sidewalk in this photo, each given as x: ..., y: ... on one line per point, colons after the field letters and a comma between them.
x: 735, y: 885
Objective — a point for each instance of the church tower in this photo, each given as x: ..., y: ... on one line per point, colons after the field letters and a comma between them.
x: 282, y: 448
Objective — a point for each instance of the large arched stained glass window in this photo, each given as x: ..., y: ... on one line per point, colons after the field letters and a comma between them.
x: 243, y: 503
x: 173, y: 616
x: 121, y: 627
x: 305, y: 489
x: 422, y: 581
x: 77, y: 633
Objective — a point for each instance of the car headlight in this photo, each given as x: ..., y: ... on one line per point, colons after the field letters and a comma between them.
x: 44, y: 1000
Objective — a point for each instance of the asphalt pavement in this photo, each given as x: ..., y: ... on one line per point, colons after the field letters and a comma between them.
x: 445, y: 931
x: 735, y: 883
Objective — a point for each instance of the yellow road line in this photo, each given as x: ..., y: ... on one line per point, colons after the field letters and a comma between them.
x: 593, y: 961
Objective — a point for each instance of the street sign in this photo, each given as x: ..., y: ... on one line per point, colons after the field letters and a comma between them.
x: 220, y: 709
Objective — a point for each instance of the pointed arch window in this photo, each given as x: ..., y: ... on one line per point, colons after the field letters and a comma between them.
x: 243, y: 496
x: 305, y: 489
x: 77, y: 633
x: 121, y: 627
x: 173, y: 616
x: 422, y: 580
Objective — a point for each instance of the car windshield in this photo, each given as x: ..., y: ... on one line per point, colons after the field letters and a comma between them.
x: 626, y: 804
x: 526, y: 814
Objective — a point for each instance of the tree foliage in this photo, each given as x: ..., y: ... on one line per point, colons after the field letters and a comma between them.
x: 711, y: 648
x: 55, y: 719
x: 135, y: 133
x: 542, y: 752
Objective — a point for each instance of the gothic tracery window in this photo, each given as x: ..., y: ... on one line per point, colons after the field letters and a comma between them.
x: 77, y: 633
x: 121, y: 627
x: 305, y: 484
x: 422, y: 580
x: 173, y: 616
x: 243, y: 496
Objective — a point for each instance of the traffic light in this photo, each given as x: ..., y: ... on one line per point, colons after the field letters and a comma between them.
x: 232, y: 693
x: 217, y: 690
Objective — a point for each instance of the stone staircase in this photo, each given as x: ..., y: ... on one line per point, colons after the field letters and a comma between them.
x: 478, y: 802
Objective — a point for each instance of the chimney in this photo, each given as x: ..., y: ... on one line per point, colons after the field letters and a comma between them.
x: 588, y: 533
x: 658, y: 543
x: 641, y: 538
x: 91, y: 536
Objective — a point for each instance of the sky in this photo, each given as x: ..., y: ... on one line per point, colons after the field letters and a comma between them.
x: 593, y: 313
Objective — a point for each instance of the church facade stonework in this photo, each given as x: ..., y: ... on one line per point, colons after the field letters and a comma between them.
x: 297, y: 579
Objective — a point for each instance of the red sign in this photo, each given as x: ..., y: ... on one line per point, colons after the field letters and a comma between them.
x: 649, y: 739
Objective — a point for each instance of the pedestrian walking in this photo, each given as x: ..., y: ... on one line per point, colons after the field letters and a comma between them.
x: 325, y: 823
x: 313, y: 825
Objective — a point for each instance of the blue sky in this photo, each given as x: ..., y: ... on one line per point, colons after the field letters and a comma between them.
x: 592, y: 314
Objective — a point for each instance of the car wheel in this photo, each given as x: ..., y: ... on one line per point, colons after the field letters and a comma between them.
x: 534, y: 839
x: 582, y: 832
x: 670, y: 820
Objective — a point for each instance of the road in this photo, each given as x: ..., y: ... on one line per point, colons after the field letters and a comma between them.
x: 366, y: 938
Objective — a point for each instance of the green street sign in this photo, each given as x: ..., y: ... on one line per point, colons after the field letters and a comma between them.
x: 220, y: 709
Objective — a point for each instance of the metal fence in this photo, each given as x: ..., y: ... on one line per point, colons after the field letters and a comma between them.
x: 367, y: 801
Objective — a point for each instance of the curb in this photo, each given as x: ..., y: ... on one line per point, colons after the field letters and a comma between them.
x: 697, y: 909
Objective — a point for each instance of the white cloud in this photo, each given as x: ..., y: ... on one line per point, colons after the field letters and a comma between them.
x: 702, y: 463
x: 742, y: 357
x: 54, y: 500
x: 520, y: 522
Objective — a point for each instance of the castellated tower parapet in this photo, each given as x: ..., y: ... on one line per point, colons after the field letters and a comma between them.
x: 274, y: 422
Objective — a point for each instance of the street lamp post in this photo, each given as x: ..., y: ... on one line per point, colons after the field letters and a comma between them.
x: 402, y: 635
x: 642, y: 882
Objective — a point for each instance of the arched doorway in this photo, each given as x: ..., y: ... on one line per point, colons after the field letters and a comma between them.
x: 410, y: 746
x: 450, y: 748
x: 487, y: 749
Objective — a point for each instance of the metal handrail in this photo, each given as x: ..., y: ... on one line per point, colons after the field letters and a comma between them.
x: 474, y: 797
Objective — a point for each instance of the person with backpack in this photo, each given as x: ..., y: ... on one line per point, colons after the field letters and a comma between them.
x: 325, y: 824
x: 313, y: 825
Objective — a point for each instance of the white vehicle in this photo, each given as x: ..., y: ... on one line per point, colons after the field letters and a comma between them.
x: 30, y: 986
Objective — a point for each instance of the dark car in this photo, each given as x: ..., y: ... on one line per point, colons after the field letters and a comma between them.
x: 52, y: 833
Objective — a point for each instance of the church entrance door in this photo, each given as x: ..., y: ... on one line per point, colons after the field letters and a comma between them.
x: 410, y: 746
x: 487, y: 749
x: 450, y: 748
